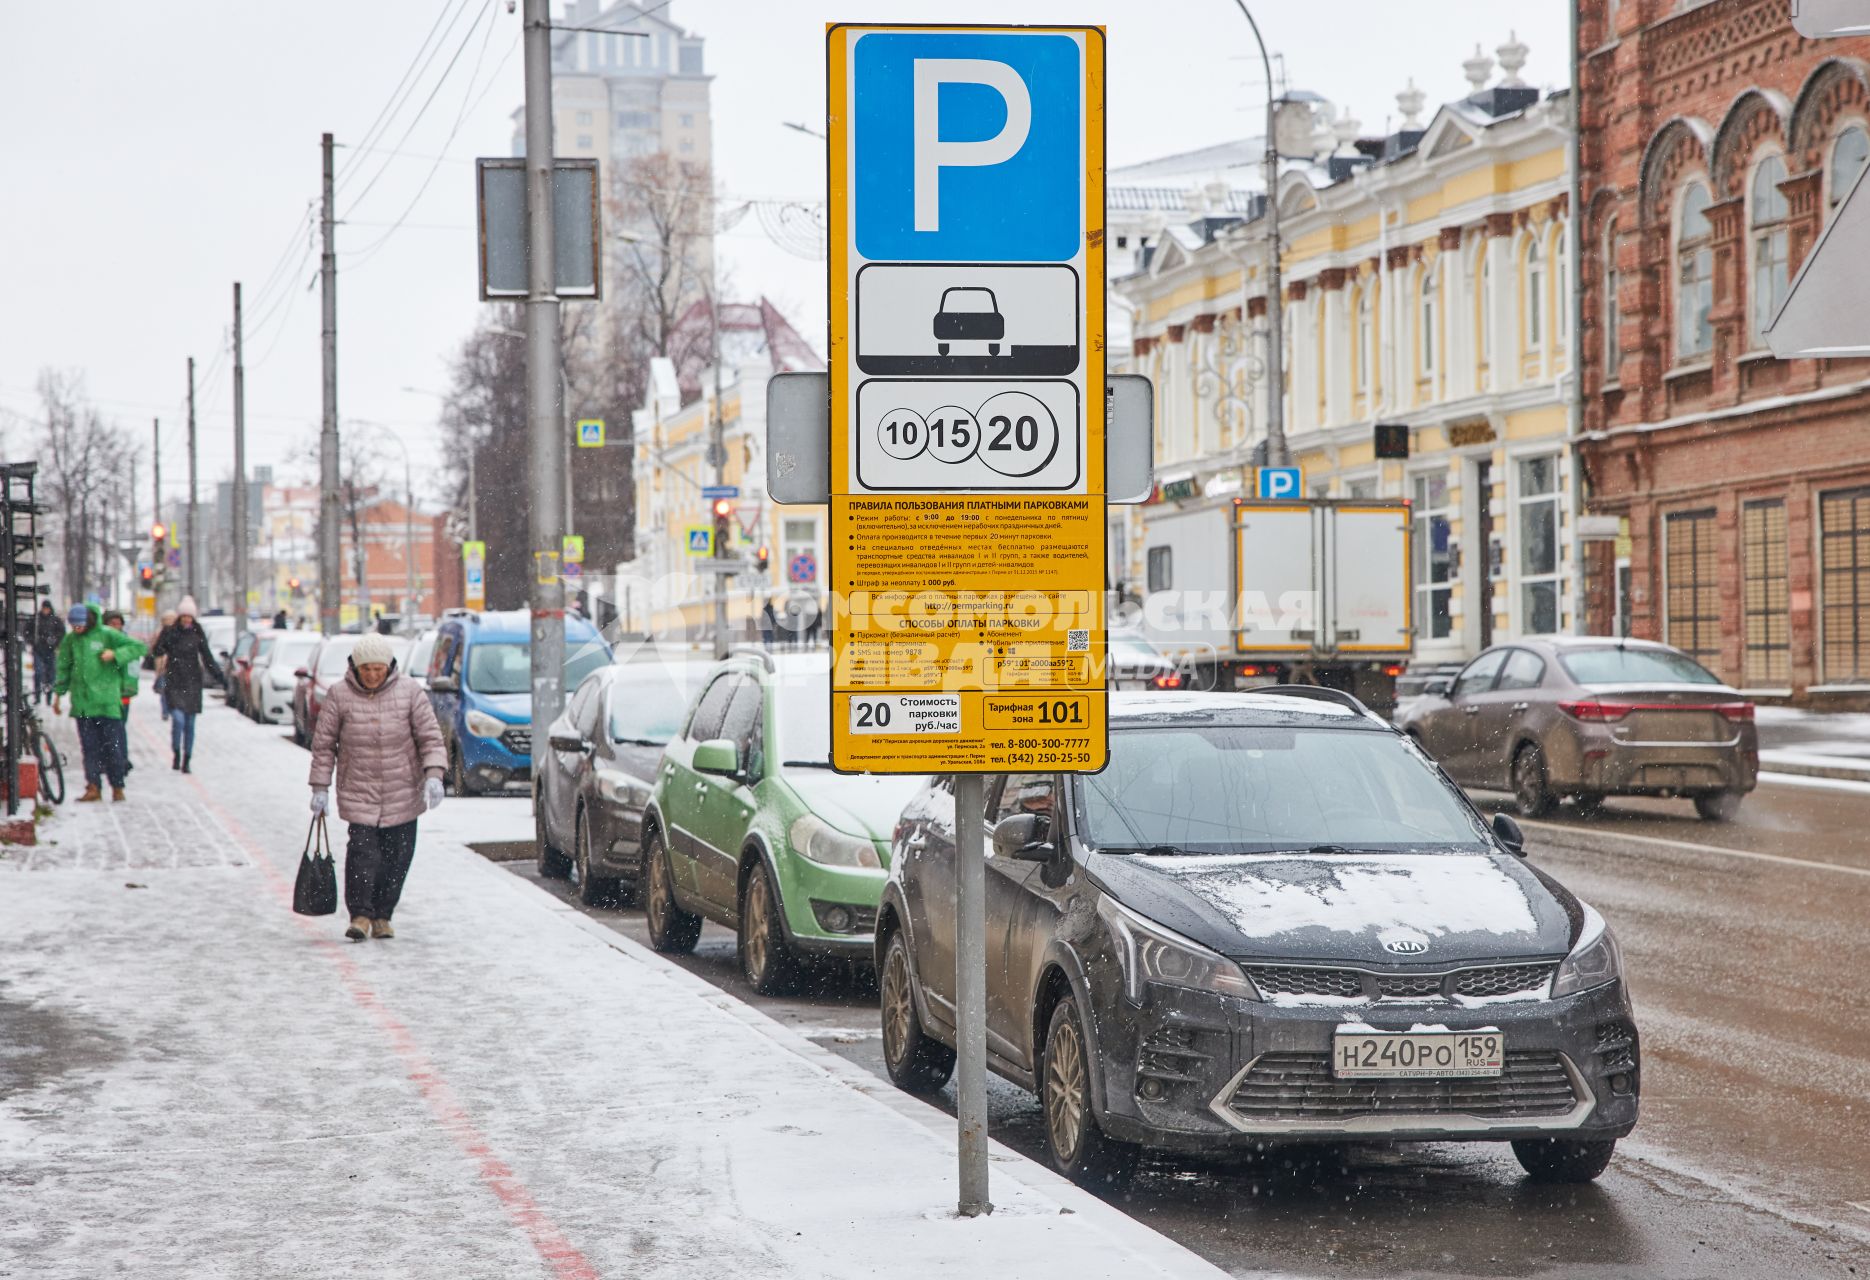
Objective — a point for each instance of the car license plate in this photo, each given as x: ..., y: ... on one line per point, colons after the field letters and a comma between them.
x: 1359, y: 1055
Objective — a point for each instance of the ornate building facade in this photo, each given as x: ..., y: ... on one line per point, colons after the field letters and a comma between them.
x: 1715, y: 143
x: 1424, y: 286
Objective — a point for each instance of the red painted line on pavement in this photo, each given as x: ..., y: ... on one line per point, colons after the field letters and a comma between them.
x: 546, y: 1239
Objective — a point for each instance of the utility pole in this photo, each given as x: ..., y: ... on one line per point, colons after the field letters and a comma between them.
x: 330, y: 572
x: 240, y: 475
x: 155, y: 457
x: 544, y: 410
x: 717, y: 454
x: 473, y: 513
x: 193, y: 546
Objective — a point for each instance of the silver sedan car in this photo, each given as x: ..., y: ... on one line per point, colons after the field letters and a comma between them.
x: 1588, y: 717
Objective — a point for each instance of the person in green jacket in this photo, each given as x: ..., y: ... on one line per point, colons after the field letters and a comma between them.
x: 91, y: 662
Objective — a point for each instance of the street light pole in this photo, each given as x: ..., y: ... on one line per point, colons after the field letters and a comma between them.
x: 1277, y: 453
x: 544, y: 412
x: 330, y: 571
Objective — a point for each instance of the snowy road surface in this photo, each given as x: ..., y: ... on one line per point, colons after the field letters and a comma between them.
x: 195, y: 1082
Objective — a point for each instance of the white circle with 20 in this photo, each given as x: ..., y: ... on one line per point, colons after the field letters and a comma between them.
x: 1019, y: 435
x: 903, y: 434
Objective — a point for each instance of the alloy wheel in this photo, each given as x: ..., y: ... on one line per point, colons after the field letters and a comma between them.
x: 755, y: 940
x: 1065, y: 1092
x: 897, y: 1007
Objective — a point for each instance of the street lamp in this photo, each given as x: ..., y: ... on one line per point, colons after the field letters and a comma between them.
x: 1276, y: 452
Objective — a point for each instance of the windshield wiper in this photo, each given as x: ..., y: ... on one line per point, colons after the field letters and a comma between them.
x: 1156, y: 850
x: 641, y: 742
x: 807, y: 764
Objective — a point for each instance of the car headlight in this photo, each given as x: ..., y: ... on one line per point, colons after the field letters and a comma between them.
x: 1151, y: 953
x: 482, y: 725
x: 1595, y: 961
x: 617, y: 788
x: 812, y: 837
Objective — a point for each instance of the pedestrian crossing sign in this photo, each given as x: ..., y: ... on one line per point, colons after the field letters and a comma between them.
x: 700, y: 540
x: 590, y: 433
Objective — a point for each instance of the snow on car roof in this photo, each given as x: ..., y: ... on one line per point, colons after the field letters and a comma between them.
x: 1247, y: 707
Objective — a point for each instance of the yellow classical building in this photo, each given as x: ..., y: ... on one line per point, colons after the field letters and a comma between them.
x: 1426, y: 285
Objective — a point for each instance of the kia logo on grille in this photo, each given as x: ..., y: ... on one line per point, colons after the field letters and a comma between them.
x: 1406, y: 946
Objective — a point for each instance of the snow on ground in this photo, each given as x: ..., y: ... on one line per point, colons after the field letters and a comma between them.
x: 196, y: 1082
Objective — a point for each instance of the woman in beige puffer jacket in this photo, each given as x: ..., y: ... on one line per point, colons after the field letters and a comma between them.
x: 378, y: 733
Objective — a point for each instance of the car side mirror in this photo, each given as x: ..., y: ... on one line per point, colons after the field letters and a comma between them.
x: 569, y: 742
x: 1021, y: 837
x: 1507, y: 832
x: 445, y: 684
x: 301, y: 673
x: 718, y: 756
x: 1438, y: 687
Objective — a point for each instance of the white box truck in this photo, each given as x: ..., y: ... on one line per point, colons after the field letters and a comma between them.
x: 1311, y: 591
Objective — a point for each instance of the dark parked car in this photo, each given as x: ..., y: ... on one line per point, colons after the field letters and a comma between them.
x: 1270, y: 918
x: 591, y: 789
x: 1590, y: 717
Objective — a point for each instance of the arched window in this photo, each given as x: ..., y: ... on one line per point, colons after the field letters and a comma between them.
x: 1426, y: 295
x: 1365, y: 336
x: 1848, y: 156
x: 1771, y: 241
x: 1613, y: 312
x: 1561, y: 285
x: 1535, y: 297
x: 1694, y: 276
x: 1486, y: 307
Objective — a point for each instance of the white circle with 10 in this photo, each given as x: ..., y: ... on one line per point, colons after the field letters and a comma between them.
x: 1014, y: 433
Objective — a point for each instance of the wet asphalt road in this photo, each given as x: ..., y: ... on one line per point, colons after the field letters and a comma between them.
x: 1748, y: 949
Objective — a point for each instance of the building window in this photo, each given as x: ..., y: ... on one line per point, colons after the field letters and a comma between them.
x: 688, y: 120
x: 1537, y: 531
x: 1844, y: 581
x: 1535, y: 297
x: 1692, y: 587
x: 584, y: 117
x: 1771, y: 243
x: 689, y: 59
x: 584, y: 141
x: 1767, y: 660
x: 1434, y: 556
x: 1365, y: 335
x: 1426, y: 295
x: 687, y: 144
x: 1483, y: 305
x: 1694, y: 276
x: 1613, y: 314
x: 1361, y: 489
x: 1848, y: 156
x: 1161, y: 568
x: 1561, y: 286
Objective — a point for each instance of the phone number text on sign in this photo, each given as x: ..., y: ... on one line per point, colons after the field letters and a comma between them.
x: 914, y: 715
x: 961, y: 436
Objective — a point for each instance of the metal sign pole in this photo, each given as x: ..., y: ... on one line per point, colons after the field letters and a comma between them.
x: 970, y: 987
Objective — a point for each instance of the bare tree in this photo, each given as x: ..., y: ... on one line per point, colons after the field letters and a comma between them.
x: 85, y: 470
x: 663, y: 210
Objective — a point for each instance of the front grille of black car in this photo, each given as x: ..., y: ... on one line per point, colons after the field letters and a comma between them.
x: 518, y: 741
x: 1300, y: 1087
x: 1483, y: 980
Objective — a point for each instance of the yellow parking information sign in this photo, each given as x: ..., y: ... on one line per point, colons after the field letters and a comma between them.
x: 967, y: 398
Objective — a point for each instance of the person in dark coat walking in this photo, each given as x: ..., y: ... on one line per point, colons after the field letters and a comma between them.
x: 47, y: 630
x: 281, y: 621
x: 184, y: 655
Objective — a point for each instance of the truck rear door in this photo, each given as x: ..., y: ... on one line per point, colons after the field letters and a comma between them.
x: 1277, y: 561
x: 1368, y: 596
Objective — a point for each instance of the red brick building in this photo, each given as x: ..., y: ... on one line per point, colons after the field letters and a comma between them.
x: 1715, y: 142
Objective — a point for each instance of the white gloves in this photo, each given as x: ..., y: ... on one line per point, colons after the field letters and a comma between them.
x: 432, y: 793
x: 321, y: 800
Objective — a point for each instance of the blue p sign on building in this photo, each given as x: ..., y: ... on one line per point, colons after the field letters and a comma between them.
x: 965, y: 144
x: 1281, y: 482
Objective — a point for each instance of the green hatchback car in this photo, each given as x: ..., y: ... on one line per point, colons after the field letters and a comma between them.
x: 748, y: 825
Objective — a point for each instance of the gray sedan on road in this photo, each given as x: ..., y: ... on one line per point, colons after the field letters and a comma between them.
x: 1589, y: 717
x: 1270, y: 918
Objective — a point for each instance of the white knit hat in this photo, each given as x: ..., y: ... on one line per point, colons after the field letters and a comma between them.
x: 372, y: 647
x: 187, y: 608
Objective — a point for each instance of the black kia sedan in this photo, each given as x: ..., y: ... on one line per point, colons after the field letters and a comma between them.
x: 595, y: 778
x: 1271, y: 918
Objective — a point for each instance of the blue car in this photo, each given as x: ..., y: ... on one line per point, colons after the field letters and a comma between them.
x: 480, y: 683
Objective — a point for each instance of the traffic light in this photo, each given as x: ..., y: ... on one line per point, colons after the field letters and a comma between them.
x: 723, y: 525
x: 157, y: 532
x: 763, y: 557
x: 1392, y: 440
x: 146, y: 576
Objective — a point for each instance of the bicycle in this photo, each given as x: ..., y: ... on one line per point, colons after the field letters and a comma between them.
x: 45, y: 751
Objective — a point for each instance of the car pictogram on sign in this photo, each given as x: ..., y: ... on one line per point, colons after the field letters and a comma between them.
x: 969, y: 314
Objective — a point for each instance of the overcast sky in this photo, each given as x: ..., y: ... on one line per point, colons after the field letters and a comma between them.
x: 161, y: 151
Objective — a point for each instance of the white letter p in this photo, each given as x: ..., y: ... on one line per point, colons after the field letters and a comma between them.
x: 932, y: 154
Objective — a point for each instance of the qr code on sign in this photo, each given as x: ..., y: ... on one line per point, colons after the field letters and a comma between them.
x: 1077, y: 641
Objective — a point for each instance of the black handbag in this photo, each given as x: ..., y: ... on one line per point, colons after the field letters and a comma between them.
x: 316, y: 893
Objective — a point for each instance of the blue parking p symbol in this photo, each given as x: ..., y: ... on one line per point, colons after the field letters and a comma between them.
x: 1281, y: 482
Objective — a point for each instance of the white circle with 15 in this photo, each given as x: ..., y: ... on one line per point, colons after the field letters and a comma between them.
x: 953, y: 434
x: 1018, y: 433
x: 903, y: 434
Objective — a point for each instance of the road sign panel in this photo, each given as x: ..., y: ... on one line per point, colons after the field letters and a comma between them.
x: 700, y: 540
x: 1279, y: 482
x: 713, y: 491
x: 967, y: 452
x: 803, y: 567
x: 574, y: 548
x: 590, y: 433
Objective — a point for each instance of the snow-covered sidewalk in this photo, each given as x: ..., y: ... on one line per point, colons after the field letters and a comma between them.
x: 195, y: 1082
x: 1819, y: 744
